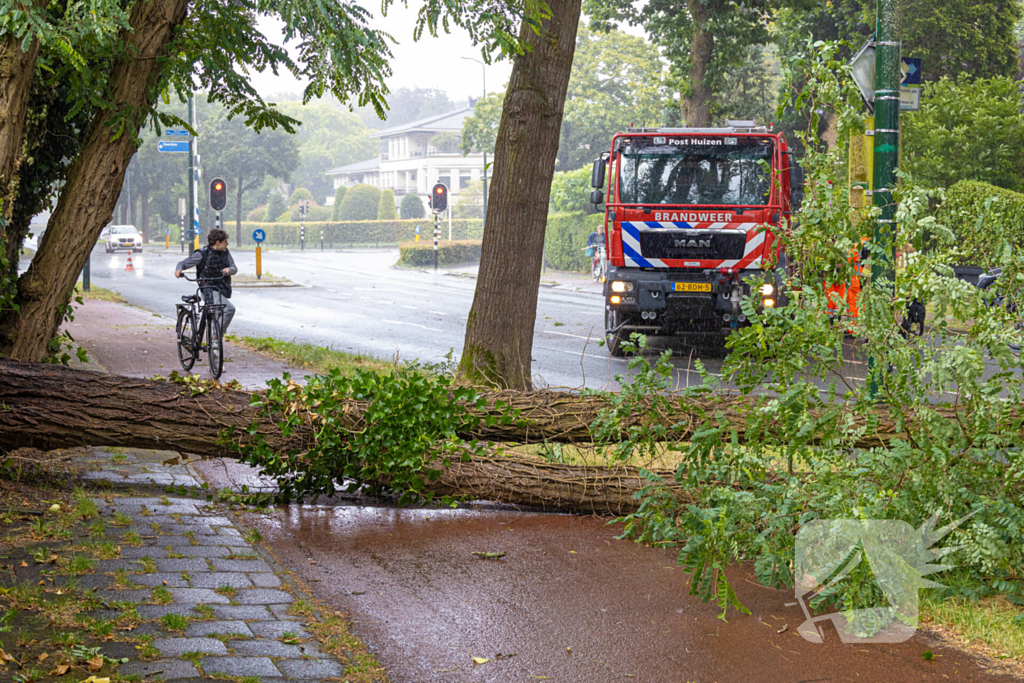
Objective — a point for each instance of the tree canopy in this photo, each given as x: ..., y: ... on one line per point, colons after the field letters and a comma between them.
x: 614, y: 82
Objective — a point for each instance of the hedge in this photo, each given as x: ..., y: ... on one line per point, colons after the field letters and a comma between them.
x: 983, y: 218
x: 343, y: 233
x: 421, y: 254
x: 566, y: 238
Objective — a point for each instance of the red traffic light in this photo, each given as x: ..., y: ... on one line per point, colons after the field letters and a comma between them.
x: 439, y: 200
x: 218, y: 194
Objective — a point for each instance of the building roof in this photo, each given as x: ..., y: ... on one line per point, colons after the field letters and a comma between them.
x: 439, y: 123
x: 358, y: 167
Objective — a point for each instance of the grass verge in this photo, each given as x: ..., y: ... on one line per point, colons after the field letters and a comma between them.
x: 319, y: 359
x: 993, y: 627
x: 99, y: 293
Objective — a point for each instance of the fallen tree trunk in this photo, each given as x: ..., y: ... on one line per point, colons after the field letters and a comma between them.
x: 49, y: 406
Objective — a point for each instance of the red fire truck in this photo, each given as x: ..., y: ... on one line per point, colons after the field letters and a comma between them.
x: 690, y: 227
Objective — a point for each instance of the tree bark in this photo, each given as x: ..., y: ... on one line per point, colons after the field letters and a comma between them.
x: 89, y: 195
x: 51, y: 406
x: 17, y: 69
x: 695, y: 105
x: 499, y: 332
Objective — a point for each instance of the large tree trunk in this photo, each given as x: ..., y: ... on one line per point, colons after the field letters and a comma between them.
x: 88, y: 198
x: 50, y: 406
x: 17, y: 68
x: 695, y: 105
x: 499, y: 332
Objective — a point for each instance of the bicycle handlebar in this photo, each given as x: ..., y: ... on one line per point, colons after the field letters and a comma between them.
x: 201, y: 279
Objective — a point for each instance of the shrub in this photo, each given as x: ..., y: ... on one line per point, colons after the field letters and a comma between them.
x: 360, y: 203
x: 570, y: 192
x: 276, y: 206
x: 983, y: 218
x: 362, y: 232
x: 316, y: 214
x: 566, y: 238
x: 257, y: 215
x: 420, y: 254
x: 412, y: 207
x: 298, y: 195
x: 966, y: 130
x: 339, y: 195
x: 386, y: 207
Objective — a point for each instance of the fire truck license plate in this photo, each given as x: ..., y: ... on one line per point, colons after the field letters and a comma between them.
x: 693, y: 286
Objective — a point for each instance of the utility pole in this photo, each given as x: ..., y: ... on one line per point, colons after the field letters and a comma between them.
x: 193, y: 208
x: 888, y: 34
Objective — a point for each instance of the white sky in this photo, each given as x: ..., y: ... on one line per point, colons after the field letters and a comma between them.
x: 429, y: 63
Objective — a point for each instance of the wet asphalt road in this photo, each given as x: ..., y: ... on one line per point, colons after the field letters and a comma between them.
x: 354, y: 300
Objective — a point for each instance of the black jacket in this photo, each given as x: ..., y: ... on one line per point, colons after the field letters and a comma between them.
x: 210, y: 263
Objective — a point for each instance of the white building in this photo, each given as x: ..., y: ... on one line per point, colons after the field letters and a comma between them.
x: 412, y: 164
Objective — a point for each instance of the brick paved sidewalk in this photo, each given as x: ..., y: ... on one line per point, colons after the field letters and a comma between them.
x: 191, y: 595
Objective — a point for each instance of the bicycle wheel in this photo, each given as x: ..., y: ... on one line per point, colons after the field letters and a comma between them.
x: 187, y: 341
x: 215, y: 345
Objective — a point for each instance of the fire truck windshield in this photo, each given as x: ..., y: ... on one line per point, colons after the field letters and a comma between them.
x: 695, y: 170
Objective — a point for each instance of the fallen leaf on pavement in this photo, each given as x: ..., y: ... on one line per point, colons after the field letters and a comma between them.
x: 61, y: 670
x: 93, y: 679
x: 488, y: 556
x: 4, y: 657
x: 480, y: 660
x: 24, y: 563
x: 43, y: 656
x: 96, y: 663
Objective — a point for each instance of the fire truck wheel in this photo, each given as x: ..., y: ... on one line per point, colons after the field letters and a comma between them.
x: 614, y: 336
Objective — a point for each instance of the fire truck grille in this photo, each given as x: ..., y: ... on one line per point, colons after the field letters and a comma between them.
x: 694, y: 244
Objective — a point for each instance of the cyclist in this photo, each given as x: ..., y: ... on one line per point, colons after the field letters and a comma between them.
x: 214, y: 262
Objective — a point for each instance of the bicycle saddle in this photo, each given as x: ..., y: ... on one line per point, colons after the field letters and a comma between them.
x: 190, y: 299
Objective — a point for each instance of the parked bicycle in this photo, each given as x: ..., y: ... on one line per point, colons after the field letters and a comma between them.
x: 200, y: 327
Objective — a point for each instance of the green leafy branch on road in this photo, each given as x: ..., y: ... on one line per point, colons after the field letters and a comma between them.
x: 406, y: 429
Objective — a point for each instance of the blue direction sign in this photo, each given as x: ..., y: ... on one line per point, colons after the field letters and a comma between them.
x: 175, y: 146
x: 258, y: 235
x: 910, y: 71
x: 176, y: 133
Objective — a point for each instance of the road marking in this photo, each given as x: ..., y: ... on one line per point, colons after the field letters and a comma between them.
x: 377, y: 301
x: 411, y: 308
x: 578, y: 354
x: 422, y: 327
x: 566, y: 334
x: 436, y: 312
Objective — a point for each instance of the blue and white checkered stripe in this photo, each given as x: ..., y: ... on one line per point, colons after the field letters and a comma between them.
x: 631, y: 240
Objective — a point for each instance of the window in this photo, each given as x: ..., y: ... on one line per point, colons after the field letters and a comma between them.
x: 464, y: 179
x: 704, y: 173
x: 445, y: 177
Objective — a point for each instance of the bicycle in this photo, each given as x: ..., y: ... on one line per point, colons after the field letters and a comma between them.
x: 196, y: 320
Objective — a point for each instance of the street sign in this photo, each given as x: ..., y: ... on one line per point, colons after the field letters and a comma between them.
x: 910, y: 71
x: 258, y: 235
x: 176, y: 133
x: 182, y: 210
x: 172, y: 146
x: 910, y: 99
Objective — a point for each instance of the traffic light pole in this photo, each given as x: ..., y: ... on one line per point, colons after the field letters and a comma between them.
x: 888, y: 34
x: 437, y: 231
x: 193, y: 210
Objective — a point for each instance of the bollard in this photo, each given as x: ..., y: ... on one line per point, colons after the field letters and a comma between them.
x: 259, y: 263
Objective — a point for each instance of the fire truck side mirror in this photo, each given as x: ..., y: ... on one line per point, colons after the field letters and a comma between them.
x: 597, y: 176
x: 796, y: 178
x: 596, y: 197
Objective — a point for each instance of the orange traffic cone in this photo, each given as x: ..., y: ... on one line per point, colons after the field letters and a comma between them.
x: 129, y: 268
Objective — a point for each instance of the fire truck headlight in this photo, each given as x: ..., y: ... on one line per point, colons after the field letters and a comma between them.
x: 768, y: 303
x: 616, y: 299
x: 767, y: 289
x: 619, y: 286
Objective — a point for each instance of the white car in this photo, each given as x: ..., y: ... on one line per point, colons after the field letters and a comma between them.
x: 121, y: 237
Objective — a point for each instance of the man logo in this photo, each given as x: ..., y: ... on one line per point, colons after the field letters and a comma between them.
x: 693, y: 244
